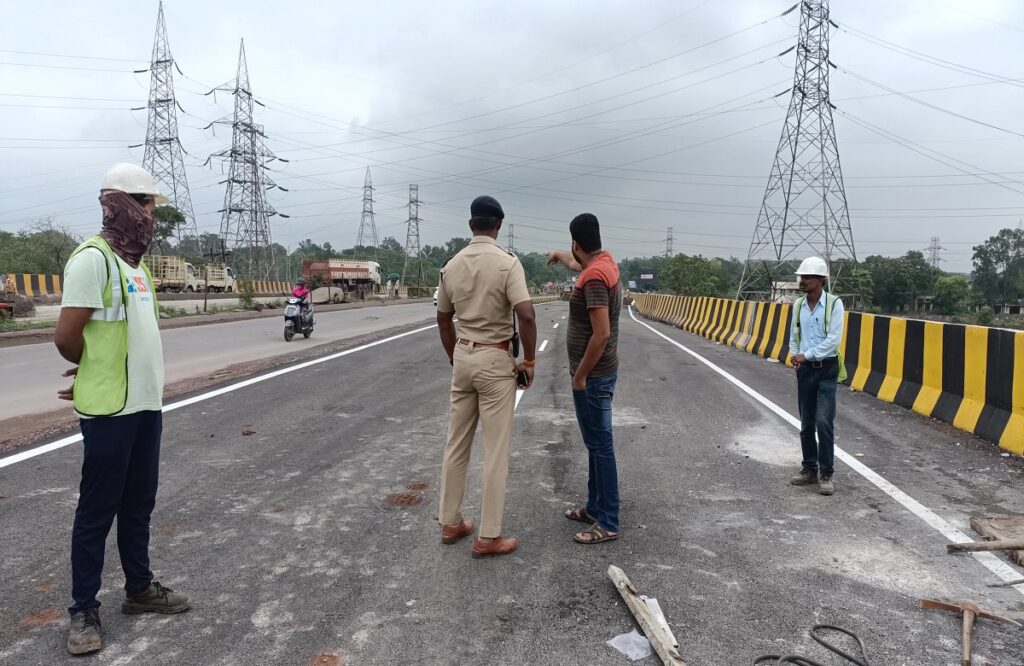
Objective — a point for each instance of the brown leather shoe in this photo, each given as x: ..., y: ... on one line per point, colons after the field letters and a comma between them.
x: 500, y: 546
x: 452, y: 533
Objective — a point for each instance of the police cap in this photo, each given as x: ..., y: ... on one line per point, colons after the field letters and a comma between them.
x: 485, y: 206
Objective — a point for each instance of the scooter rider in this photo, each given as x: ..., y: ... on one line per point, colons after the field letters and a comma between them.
x: 301, y: 292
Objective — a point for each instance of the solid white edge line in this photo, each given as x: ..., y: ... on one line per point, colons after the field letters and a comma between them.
x: 543, y: 346
x: 556, y: 325
x: 946, y: 529
x: 61, y: 443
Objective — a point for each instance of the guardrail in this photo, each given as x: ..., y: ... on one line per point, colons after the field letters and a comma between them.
x: 969, y: 376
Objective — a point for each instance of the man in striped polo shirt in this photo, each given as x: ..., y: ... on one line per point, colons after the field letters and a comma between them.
x: 594, y: 363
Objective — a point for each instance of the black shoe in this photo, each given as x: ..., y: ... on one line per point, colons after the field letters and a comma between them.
x: 85, y: 634
x: 806, y: 477
x: 156, y: 599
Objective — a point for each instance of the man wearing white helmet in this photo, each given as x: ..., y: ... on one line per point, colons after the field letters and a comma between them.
x: 108, y: 328
x: 814, y: 337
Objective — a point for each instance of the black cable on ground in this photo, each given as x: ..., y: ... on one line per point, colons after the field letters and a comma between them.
x: 816, y: 635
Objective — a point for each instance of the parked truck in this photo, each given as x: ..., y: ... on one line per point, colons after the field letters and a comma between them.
x: 218, y: 277
x: 349, y: 275
x: 173, y: 274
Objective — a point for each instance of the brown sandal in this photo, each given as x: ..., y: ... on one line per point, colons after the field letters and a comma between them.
x: 596, y: 534
x: 580, y: 515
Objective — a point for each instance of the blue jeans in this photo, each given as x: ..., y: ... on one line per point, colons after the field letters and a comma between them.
x: 120, y: 469
x: 594, y: 414
x: 816, y: 393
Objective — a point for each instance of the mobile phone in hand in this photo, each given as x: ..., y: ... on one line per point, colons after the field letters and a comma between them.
x: 522, y: 379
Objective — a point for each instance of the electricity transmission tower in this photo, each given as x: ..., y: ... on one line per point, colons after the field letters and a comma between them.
x: 668, y: 244
x: 412, y: 239
x: 367, y: 222
x: 163, y: 153
x: 804, y: 210
x: 245, y: 225
x: 511, y: 239
x: 935, y: 252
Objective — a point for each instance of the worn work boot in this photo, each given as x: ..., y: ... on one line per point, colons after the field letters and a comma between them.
x: 452, y: 533
x: 806, y: 477
x: 499, y: 546
x: 156, y: 599
x: 85, y: 634
x: 825, y: 485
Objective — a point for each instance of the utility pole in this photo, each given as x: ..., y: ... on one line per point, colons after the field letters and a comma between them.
x: 367, y: 222
x: 163, y: 152
x: 668, y: 244
x: 412, y: 239
x: 935, y: 252
x: 804, y: 211
x: 246, y: 213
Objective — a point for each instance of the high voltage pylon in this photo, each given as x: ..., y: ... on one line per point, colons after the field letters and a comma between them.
x: 511, y: 239
x: 935, y: 252
x: 668, y: 244
x: 412, y: 239
x: 804, y: 210
x: 245, y: 226
x: 367, y: 222
x: 163, y: 152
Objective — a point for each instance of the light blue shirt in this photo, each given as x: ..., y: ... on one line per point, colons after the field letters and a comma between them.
x: 815, y: 343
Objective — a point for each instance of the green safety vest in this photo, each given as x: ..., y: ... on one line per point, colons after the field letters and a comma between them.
x: 828, y: 318
x: 101, y: 385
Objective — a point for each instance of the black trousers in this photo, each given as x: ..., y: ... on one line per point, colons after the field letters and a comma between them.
x: 120, y: 471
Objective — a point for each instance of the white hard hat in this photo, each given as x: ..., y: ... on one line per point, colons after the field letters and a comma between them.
x: 132, y: 179
x: 813, y: 266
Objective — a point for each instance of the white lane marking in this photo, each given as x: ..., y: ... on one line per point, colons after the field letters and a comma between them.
x: 61, y: 443
x: 543, y: 345
x: 563, y: 316
x: 943, y: 527
x: 556, y: 325
x: 519, y: 396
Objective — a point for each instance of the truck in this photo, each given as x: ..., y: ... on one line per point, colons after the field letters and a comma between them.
x: 173, y: 273
x: 348, y: 275
x: 218, y: 277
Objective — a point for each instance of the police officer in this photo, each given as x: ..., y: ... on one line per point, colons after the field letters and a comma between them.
x: 483, y: 284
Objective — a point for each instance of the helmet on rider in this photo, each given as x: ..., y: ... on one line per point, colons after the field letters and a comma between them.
x: 300, y: 282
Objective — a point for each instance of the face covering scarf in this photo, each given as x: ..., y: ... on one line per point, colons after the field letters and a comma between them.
x: 127, y: 226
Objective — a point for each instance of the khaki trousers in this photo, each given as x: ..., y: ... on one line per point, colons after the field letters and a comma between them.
x: 484, y: 391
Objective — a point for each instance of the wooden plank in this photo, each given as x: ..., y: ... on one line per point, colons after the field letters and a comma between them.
x: 659, y: 638
x: 979, y: 546
x: 1002, y: 528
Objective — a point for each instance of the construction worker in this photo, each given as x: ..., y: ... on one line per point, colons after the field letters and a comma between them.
x: 814, y: 337
x: 108, y: 327
x: 483, y: 284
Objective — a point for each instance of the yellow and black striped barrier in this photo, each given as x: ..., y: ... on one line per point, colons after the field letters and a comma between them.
x: 31, y: 285
x: 969, y: 376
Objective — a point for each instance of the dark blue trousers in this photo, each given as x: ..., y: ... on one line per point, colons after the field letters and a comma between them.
x: 594, y: 414
x: 120, y: 470
x: 816, y: 393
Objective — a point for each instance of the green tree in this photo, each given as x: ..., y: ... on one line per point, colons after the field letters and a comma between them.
x: 693, y: 276
x: 167, y: 220
x: 951, y: 294
x: 999, y: 267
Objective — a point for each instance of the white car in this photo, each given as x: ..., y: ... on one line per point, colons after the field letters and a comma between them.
x: 435, y: 296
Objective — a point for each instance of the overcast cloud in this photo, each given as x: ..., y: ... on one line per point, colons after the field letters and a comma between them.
x: 467, y: 98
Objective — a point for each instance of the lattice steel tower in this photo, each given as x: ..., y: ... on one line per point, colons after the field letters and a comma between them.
x: 668, y: 244
x: 245, y: 226
x: 412, y: 239
x: 163, y: 153
x: 804, y: 210
x: 367, y: 223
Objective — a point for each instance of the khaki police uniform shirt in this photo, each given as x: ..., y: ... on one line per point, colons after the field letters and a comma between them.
x: 481, y: 284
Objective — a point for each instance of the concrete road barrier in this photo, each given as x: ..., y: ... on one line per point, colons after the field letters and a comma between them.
x: 969, y: 376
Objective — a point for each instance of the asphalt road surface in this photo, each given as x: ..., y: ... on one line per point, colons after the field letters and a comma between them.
x: 294, y: 555
x: 194, y: 350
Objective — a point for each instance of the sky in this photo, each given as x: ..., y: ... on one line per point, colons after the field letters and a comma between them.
x: 648, y: 114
